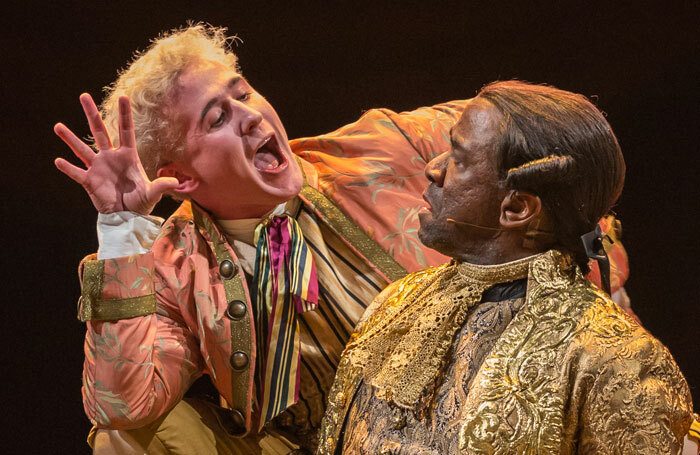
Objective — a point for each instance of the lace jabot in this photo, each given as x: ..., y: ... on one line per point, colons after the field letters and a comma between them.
x: 402, y: 346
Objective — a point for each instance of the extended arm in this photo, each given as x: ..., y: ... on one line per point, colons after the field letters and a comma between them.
x: 373, y: 170
x: 138, y: 359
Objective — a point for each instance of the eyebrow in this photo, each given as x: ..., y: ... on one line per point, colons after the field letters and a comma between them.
x: 234, y: 80
x: 454, y: 142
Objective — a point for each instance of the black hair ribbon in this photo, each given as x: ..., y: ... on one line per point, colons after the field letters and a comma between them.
x: 593, y: 244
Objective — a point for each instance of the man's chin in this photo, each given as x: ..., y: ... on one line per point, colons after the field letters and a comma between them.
x: 436, y: 234
x: 428, y: 230
x: 285, y: 189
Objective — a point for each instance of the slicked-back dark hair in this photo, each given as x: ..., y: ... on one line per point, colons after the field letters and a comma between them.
x: 559, y: 146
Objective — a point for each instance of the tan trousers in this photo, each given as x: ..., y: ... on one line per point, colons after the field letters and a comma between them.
x: 189, y: 428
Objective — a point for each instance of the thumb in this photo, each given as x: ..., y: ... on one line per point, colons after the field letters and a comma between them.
x: 162, y: 185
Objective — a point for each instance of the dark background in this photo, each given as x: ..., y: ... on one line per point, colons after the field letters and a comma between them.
x: 321, y: 64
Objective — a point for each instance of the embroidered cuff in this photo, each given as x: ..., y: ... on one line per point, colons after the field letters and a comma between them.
x: 117, y: 288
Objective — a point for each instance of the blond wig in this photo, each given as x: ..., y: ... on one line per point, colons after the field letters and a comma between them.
x: 150, y: 81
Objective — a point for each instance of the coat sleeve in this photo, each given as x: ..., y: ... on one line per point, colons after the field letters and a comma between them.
x: 638, y: 403
x: 374, y: 171
x: 139, y: 361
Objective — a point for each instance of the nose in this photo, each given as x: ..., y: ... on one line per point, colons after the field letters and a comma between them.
x: 248, y: 118
x: 436, y: 168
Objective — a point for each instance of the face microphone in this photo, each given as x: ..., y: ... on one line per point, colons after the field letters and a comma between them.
x: 462, y: 223
x: 528, y: 230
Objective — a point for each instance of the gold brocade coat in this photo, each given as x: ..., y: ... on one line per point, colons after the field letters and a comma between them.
x: 571, y: 373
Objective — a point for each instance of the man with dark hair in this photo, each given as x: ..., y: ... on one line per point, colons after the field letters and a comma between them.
x: 507, y: 348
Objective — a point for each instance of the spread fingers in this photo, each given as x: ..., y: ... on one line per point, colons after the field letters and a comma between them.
x: 72, y: 171
x: 97, y: 126
x: 80, y: 148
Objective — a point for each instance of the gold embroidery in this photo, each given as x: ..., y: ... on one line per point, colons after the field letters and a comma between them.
x: 435, y: 430
x: 526, y: 400
x: 403, y: 345
x: 92, y: 278
x: 130, y: 307
x: 517, y: 381
x: 694, y: 431
x: 571, y: 373
x: 92, y: 308
x: 241, y: 333
x: 336, y: 410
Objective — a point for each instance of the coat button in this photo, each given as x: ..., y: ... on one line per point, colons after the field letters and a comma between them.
x: 234, y: 422
x: 239, y: 360
x: 236, y: 309
x: 227, y: 269
x: 238, y: 418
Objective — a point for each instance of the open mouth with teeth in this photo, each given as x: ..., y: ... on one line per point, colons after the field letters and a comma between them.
x: 269, y: 158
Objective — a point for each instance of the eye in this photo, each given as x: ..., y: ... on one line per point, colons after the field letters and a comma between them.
x: 244, y: 97
x: 219, y: 120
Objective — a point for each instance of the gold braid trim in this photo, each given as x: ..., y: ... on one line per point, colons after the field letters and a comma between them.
x: 110, y: 310
x: 242, y: 330
x: 402, y: 346
x: 346, y: 228
x: 92, y: 308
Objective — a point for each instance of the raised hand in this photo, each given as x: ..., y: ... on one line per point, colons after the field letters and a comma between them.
x: 114, y: 178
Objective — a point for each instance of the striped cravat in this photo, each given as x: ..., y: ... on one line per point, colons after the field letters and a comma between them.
x: 286, y: 282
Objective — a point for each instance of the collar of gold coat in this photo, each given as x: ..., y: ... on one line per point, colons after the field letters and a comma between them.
x: 402, y: 347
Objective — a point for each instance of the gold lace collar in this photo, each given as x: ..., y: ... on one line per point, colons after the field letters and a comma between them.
x: 402, y: 346
x: 498, y: 273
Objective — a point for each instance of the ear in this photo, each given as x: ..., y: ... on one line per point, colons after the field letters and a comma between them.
x: 187, y: 183
x: 519, y: 209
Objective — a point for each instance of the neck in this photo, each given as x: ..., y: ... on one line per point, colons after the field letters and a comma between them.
x: 500, y: 250
x: 493, y: 257
x: 221, y: 211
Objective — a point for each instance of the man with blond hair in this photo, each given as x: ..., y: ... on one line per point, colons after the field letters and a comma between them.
x: 258, y: 279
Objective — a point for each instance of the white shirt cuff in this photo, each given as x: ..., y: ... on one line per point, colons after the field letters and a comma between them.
x: 125, y: 233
